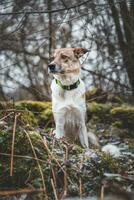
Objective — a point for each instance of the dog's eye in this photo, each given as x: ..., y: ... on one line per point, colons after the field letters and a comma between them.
x: 64, y: 57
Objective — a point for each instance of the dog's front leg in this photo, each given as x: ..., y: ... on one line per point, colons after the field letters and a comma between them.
x: 83, y: 135
x: 59, y: 132
x: 60, y: 122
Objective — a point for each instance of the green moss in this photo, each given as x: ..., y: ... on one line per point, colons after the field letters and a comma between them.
x: 78, y: 165
x: 28, y: 119
x: 46, y: 118
x: 22, y: 166
x: 123, y: 116
x: 34, y: 106
x: 100, y: 112
x: 26, y: 171
x: 32, y: 113
x: 109, y: 164
x: 37, y: 113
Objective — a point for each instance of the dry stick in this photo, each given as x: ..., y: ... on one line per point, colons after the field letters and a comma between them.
x: 80, y: 187
x: 65, y: 173
x: 20, y: 191
x: 40, y: 169
x: 21, y: 156
x: 102, y: 193
x: 95, y: 98
x: 54, y: 189
x: 54, y: 178
x: 53, y: 172
x: 52, y: 157
x: 80, y: 179
x: 12, y: 147
x: 6, y: 116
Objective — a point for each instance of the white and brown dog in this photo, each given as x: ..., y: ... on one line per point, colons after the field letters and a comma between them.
x: 68, y: 96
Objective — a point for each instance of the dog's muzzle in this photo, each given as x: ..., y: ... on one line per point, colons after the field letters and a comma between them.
x: 55, y: 69
x: 51, y: 67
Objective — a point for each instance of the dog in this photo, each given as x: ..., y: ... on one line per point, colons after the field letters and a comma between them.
x: 68, y: 96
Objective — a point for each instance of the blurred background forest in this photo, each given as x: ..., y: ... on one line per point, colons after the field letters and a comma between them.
x: 30, y: 31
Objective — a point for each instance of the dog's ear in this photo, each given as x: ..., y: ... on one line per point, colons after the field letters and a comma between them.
x: 78, y: 52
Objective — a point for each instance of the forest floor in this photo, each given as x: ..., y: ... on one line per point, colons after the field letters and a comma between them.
x: 35, y: 165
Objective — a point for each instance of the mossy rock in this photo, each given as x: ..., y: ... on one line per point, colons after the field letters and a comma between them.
x: 27, y: 118
x: 40, y: 112
x: 24, y: 162
x: 46, y: 119
x: 100, y: 112
x: 56, y: 157
x: 32, y: 113
x: 123, y: 117
x: 34, y: 106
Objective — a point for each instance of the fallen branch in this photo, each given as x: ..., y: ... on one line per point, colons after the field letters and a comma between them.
x: 20, y: 191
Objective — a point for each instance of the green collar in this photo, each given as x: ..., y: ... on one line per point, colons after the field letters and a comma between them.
x: 67, y: 87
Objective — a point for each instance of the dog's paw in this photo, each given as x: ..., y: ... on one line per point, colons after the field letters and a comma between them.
x: 93, y: 139
x: 57, y: 135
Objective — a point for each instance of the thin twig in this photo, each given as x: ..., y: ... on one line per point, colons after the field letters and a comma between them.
x: 54, y: 189
x: 95, y: 98
x: 107, y: 78
x: 102, y: 193
x: 45, y: 11
x: 21, y: 156
x: 39, y: 166
x: 50, y: 153
x: 6, y: 116
x: 65, y: 173
x: 54, y: 177
x: 12, y: 147
x: 20, y: 191
x: 80, y: 179
x: 52, y: 156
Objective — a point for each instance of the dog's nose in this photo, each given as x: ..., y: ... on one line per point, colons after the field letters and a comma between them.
x: 51, y: 67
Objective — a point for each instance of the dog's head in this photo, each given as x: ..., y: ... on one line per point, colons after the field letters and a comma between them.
x: 66, y: 60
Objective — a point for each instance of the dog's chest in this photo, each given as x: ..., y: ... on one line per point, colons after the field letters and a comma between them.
x: 71, y: 103
x: 70, y: 100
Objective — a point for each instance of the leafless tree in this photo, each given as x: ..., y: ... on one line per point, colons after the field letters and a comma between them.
x: 31, y: 30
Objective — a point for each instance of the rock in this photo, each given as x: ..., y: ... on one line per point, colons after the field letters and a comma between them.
x: 112, y: 150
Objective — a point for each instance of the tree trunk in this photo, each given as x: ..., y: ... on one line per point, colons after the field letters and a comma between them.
x: 125, y: 38
x: 49, y: 3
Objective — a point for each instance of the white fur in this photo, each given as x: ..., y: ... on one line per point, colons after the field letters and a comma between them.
x: 69, y: 109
